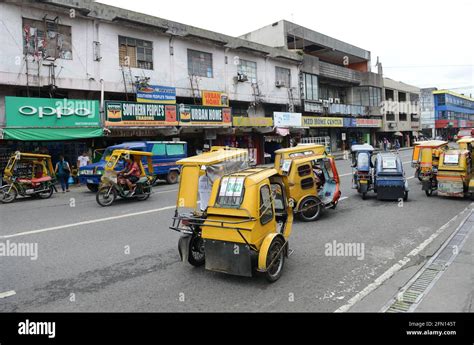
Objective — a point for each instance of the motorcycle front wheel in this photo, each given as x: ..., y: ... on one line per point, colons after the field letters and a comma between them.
x: 7, y: 194
x: 106, y: 196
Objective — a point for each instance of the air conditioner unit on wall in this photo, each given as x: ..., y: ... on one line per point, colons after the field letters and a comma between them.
x: 331, y: 100
x: 242, y: 77
x: 325, y: 103
x: 337, y: 100
x: 280, y: 83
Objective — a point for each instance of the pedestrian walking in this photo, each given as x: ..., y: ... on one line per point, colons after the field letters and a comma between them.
x: 63, y: 170
x: 83, y: 160
x: 397, y: 145
x: 385, y: 143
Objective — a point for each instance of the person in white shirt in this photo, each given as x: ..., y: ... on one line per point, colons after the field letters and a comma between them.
x: 83, y: 160
x: 204, y: 190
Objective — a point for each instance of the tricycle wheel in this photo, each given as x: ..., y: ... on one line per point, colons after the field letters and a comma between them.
x: 276, y: 254
x: 405, y: 196
x: 106, y: 196
x: 92, y: 187
x: 364, y: 195
x: 7, y: 194
x: 418, y: 175
x: 172, y: 177
x: 196, y: 255
x: 429, y: 192
x: 47, y: 194
x: 310, y: 210
x: 145, y: 192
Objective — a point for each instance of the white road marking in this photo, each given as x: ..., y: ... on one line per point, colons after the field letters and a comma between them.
x: 165, y: 191
x: 343, y: 198
x: 395, y: 268
x: 92, y: 221
x: 7, y: 294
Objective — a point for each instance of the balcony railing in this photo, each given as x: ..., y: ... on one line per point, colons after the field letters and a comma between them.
x: 347, y: 109
x: 340, y: 73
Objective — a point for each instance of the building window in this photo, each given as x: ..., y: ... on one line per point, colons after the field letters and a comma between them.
x: 47, y: 39
x: 135, y: 53
x: 199, y: 64
x: 283, y: 75
x: 248, y: 68
x: 390, y: 117
x: 440, y: 99
x: 311, y: 91
x: 375, y: 96
x: 389, y: 95
x: 402, y: 117
x: 414, y: 117
x: 402, y: 96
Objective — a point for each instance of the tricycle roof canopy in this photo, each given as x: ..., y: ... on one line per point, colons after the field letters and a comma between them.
x: 431, y: 143
x: 364, y: 147
x: 214, y: 157
x: 133, y: 153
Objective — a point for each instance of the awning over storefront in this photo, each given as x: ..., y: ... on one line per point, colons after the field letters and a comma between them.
x: 40, y: 134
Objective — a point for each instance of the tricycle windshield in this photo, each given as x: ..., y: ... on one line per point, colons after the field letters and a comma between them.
x: 451, y: 159
x: 231, y: 192
x: 111, y: 162
x: 389, y: 163
x: 363, y: 161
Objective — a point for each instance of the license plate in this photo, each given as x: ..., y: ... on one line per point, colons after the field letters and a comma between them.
x: 89, y: 180
x: 450, y: 187
x: 29, y: 191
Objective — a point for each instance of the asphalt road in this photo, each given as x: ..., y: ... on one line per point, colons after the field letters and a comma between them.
x: 125, y: 258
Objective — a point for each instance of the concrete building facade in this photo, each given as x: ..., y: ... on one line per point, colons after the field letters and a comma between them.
x: 336, y: 83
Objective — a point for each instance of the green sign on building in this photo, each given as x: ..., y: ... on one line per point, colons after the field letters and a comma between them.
x: 51, y: 118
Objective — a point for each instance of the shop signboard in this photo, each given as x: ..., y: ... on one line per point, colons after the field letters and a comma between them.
x: 215, y: 99
x: 373, y: 123
x: 156, y: 94
x: 350, y: 122
x: 196, y: 115
x: 37, y: 119
x: 29, y: 112
x: 316, y: 121
x: 132, y: 114
x: 282, y: 119
x: 240, y: 121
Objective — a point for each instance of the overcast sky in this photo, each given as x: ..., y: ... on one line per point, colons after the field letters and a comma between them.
x: 420, y: 42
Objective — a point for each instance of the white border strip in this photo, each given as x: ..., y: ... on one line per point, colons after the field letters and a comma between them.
x: 395, y: 268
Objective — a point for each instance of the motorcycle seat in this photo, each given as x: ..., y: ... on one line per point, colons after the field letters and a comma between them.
x: 41, y: 179
x: 24, y: 180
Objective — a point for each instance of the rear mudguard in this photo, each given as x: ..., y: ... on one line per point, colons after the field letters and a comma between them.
x: 471, y: 186
x: 263, y: 252
x: 363, y: 188
x: 426, y: 185
x: 183, y: 247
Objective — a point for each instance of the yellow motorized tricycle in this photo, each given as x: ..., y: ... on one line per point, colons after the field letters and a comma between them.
x: 454, y: 177
x: 421, y: 161
x: 117, y: 181
x: 246, y: 226
x: 312, y: 177
x: 198, y: 174
x: 28, y: 174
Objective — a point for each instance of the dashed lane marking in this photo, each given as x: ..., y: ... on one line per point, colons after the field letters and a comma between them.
x: 7, y: 294
x: 87, y: 222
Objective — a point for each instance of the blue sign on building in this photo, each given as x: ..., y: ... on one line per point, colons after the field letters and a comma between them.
x: 156, y: 94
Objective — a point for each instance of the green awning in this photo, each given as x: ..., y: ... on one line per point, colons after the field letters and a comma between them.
x: 40, y: 134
